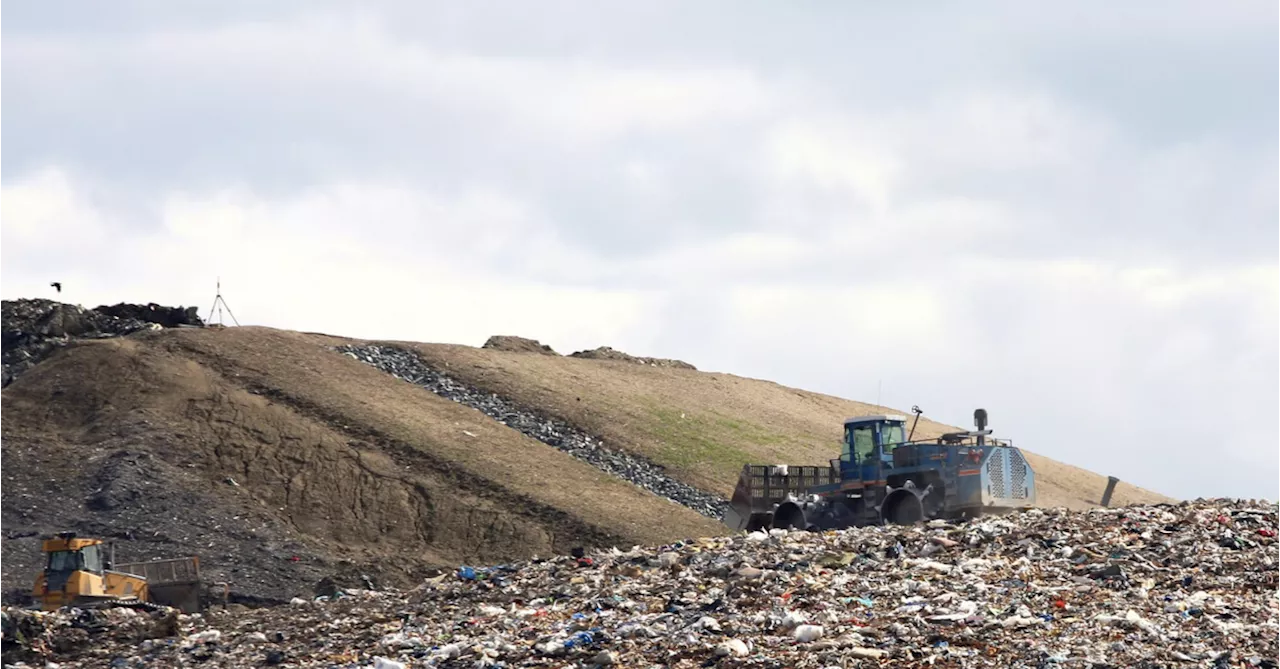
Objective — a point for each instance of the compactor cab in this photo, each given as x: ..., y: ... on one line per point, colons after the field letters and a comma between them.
x: 79, y: 571
x: 868, y: 444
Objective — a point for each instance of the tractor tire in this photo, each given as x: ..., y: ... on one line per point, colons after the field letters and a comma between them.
x: 789, y: 516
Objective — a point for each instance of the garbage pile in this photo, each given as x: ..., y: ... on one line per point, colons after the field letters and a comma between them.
x: 35, y: 635
x: 34, y: 328
x: 524, y: 345
x: 407, y: 366
x: 608, y: 353
x: 1186, y: 585
x: 169, y: 317
x: 513, y: 344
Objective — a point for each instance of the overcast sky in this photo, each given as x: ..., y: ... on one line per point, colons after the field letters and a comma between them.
x: 1065, y: 213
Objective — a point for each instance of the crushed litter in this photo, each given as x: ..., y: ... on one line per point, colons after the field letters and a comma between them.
x: 1176, y: 585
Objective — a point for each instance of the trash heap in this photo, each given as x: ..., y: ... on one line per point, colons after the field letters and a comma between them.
x: 35, y: 328
x: 1186, y: 585
x: 610, y: 353
x: 33, y: 634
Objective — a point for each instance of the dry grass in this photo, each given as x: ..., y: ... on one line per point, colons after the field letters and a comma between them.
x: 705, y: 426
x: 304, y: 368
x: 342, y: 458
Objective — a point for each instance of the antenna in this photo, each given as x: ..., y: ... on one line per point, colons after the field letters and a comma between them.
x: 219, y: 304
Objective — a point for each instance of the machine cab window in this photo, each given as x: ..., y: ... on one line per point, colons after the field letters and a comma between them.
x: 64, y: 561
x: 891, y: 436
x: 87, y: 558
x: 859, y: 442
x: 867, y: 436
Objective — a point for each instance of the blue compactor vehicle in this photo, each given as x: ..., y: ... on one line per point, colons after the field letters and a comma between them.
x: 884, y: 477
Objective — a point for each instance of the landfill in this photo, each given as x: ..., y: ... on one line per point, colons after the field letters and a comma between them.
x: 1192, y: 584
x: 407, y: 366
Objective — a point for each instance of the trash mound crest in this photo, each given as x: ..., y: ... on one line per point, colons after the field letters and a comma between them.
x: 610, y: 353
x: 517, y: 345
x: 34, y: 328
x: 1191, y: 584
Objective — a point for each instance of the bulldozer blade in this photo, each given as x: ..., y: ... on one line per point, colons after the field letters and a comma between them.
x: 182, y: 596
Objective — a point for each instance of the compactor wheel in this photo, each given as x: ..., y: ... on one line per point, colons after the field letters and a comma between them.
x: 903, y: 507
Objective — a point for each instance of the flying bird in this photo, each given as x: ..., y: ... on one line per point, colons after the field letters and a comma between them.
x: 57, y: 285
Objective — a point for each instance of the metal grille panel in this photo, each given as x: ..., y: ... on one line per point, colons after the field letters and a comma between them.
x: 176, y: 570
x: 764, y: 488
x: 995, y: 474
x: 1017, y: 475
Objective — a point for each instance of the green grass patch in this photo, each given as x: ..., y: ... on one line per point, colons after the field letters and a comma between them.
x: 711, y: 440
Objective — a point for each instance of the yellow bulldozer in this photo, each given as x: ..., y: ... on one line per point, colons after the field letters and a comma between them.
x: 82, y: 572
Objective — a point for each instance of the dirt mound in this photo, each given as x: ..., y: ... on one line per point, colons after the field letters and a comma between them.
x: 517, y: 345
x: 280, y: 461
x: 607, y: 353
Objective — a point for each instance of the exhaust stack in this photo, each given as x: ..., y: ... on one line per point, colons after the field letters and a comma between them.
x: 980, y: 421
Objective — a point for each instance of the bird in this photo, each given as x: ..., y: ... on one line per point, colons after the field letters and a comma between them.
x: 57, y: 285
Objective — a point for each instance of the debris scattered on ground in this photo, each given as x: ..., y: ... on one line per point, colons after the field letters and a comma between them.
x: 607, y: 353
x: 169, y: 317
x: 34, y: 328
x: 518, y: 345
x: 406, y: 365
x: 524, y: 345
x: 151, y: 509
x: 1192, y: 584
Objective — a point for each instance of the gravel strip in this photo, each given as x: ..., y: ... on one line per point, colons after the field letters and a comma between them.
x: 407, y: 366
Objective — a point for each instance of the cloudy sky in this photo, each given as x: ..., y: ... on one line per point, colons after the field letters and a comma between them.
x: 1063, y: 212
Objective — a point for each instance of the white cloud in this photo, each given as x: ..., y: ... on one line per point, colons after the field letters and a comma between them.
x: 314, y: 262
x: 1079, y: 237
x: 578, y: 100
x: 838, y: 154
x: 42, y: 210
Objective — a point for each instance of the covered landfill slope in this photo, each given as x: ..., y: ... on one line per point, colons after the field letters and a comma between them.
x: 704, y: 426
x: 283, y: 462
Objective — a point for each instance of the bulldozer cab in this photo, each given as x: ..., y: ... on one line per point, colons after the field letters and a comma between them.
x: 75, y: 569
x: 87, y: 558
x: 79, y: 571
